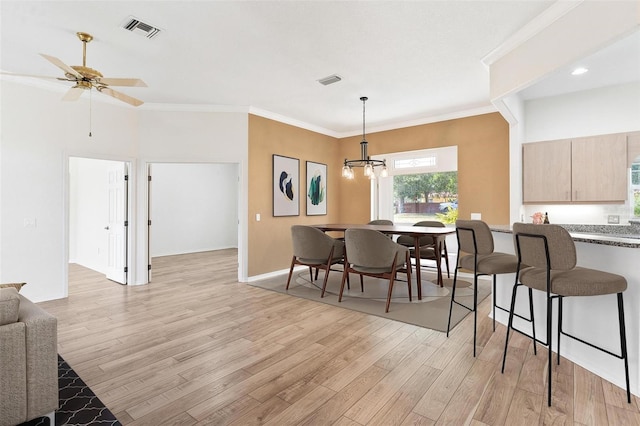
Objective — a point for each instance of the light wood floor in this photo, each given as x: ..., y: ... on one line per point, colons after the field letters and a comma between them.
x: 197, y: 347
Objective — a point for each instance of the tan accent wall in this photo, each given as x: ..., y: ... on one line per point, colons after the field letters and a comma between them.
x: 483, y: 175
x: 483, y: 164
x: 270, y: 239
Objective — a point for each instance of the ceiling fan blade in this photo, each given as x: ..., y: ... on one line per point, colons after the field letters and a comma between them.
x: 73, y: 94
x: 46, y: 77
x: 64, y: 67
x: 120, y: 96
x: 130, y: 82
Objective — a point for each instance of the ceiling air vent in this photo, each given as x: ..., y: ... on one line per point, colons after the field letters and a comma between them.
x: 330, y: 80
x: 137, y: 26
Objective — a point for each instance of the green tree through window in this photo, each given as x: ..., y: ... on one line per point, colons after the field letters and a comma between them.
x: 421, y: 188
x: 635, y: 182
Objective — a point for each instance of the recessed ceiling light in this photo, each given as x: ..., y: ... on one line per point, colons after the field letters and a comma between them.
x: 579, y: 71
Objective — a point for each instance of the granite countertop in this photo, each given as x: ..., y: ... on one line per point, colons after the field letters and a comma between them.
x: 609, y: 235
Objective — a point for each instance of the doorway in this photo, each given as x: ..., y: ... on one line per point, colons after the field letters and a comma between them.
x: 98, y: 216
x: 192, y: 208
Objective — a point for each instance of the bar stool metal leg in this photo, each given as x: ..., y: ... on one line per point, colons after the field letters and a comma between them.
x: 560, y: 299
x: 494, y: 302
x: 623, y: 343
x: 453, y: 295
x: 550, y: 343
x: 475, y: 312
x: 509, y: 323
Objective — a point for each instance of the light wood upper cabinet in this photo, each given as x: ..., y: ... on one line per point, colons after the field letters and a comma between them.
x: 546, y: 171
x: 590, y: 169
x: 599, y: 168
x: 633, y: 147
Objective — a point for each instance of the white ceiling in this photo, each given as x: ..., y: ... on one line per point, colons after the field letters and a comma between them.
x: 413, y: 59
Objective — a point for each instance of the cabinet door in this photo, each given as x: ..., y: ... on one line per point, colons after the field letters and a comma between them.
x: 599, y: 168
x: 633, y: 148
x: 546, y: 172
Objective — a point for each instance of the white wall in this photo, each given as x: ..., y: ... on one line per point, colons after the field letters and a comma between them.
x: 613, y: 109
x: 39, y: 133
x: 194, y: 208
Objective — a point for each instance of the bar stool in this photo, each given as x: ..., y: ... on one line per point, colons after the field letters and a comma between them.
x: 475, y: 239
x: 551, y: 254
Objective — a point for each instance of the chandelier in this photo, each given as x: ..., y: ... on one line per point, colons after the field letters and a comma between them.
x: 364, y: 161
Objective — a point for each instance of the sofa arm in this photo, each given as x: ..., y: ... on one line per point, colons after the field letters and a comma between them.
x: 13, y: 380
x: 41, y: 336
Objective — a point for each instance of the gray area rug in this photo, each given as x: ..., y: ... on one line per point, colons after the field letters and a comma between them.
x: 430, y: 312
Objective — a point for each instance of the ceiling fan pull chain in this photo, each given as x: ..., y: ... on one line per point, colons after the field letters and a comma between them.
x: 90, y: 103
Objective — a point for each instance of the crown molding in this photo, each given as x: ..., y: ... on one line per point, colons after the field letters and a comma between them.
x: 486, y: 109
x: 533, y: 27
x: 150, y: 106
x: 293, y: 122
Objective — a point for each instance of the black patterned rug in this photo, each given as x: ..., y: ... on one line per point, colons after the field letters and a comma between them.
x: 78, y: 404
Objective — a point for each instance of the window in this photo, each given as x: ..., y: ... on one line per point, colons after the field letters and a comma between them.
x: 635, y: 187
x: 411, y: 163
x: 422, y: 185
x: 424, y: 196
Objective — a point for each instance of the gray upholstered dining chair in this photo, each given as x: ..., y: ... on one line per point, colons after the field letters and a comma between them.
x: 550, y: 252
x: 371, y: 253
x: 476, y: 242
x: 427, y: 244
x: 315, y: 249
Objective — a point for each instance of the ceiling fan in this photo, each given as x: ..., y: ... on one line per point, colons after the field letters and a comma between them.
x: 86, y: 78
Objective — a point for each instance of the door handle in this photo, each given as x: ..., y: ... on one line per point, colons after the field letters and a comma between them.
x: 106, y: 227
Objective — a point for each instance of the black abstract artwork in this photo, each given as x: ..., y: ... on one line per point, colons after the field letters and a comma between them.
x: 286, y: 186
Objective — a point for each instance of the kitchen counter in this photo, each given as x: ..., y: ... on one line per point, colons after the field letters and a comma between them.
x: 619, y: 236
x: 590, y: 318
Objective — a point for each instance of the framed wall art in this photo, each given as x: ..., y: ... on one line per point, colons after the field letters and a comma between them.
x: 286, y: 186
x: 316, y: 188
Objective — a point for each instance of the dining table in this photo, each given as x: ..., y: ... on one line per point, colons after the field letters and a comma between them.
x: 416, y: 232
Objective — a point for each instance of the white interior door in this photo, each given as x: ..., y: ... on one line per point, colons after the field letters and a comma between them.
x: 117, y: 223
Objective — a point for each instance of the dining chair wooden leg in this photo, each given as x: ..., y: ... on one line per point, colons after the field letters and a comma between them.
x: 391, y: 280
x: 326, y: 278
x: 345, y: 274
x: 446, y: 258
x: 293, y: 262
